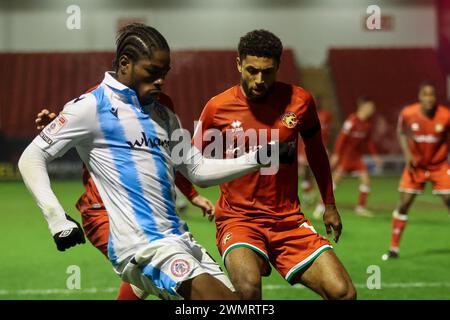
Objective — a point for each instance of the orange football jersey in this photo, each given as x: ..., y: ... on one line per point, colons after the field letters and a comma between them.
x: 427, y: 137
x: 288, y: 108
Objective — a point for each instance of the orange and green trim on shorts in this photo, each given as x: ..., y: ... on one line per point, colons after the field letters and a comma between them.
x: 244, y: 245
x: 306, y: 262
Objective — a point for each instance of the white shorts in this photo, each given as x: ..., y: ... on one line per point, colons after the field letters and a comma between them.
x: 160, y: 267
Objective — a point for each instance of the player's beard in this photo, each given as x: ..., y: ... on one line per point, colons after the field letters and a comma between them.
x: 249, y: 94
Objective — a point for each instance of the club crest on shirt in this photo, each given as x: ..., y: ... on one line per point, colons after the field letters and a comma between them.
x: 439, y: 127
x: 289, y: 119
x: 56, y: 125
x: 180, y: 267
x: 415, y: 126
x: 226, y: 238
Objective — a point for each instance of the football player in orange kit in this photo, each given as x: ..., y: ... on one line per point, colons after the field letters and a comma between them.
x: 349, y: 148
x: 423, y: 132
x: 258, y: 217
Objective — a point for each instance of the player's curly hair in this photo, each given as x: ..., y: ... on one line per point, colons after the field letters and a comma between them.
x: 427, y: 83
x: 136, y: 40
x: 260, y: 43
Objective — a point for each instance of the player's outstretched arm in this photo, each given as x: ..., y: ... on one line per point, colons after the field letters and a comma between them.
x: 66, y: 232
x: 206, y: 172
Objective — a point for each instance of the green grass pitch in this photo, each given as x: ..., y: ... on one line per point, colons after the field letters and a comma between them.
x: 32, y: 268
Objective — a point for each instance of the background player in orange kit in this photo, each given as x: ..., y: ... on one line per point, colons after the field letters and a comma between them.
x: 258, y: 217
x: 305, y: 174
x: 95, y: 217
x: 349, y: 148
x: 423, y: 133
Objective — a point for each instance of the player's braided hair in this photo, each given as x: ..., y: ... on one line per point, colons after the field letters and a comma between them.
x: 136, y: 40
x: 260, y: 43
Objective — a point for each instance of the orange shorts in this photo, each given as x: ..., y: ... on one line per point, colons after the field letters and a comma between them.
x: 289, y: 247
x: 414, y: 181
x: 351, y: 165
x: 96, y: 227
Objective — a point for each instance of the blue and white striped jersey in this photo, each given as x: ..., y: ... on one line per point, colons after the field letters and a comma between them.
x: 127, y: 150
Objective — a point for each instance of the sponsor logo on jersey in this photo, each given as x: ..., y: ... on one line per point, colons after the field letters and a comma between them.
x: 427, y: 138
x: 289, y: 119
x: 439, y: 127
x: 226, y: 238
x: 56, y: 125
x: 180, y: 267
x: 45, y: 137
x: 148, y: 142
x: 115, y: 112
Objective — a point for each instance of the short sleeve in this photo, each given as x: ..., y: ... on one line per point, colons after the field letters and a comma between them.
x: 309, y: 122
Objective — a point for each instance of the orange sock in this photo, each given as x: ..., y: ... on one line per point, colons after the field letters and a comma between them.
x: 126, y: 292
x: 398, y: 226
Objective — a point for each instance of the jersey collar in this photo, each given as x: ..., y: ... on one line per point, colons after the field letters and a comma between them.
x: 117, y: 86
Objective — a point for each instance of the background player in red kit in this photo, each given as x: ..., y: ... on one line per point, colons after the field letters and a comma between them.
x: 95, y: 218
x: 349, y: 148
x: 305, y: 174
x: 423, y: 133
x: 258, y: 217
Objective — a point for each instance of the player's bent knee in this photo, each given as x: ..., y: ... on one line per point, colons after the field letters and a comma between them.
x: 342, y: 290
x: 249, y: 291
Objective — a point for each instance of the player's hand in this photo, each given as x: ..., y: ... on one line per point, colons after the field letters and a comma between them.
x: 206, y: 206
x: 411, y: 163
x: 43, y: 118
x: 332, y: 221
x: 69, y: 237
x: 286, y: 151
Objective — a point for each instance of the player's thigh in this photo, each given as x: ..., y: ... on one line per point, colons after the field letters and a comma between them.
x: 412, y: 181
x: 166, y: 266
x: 440, y: 178
x: 208, y: 263
x: 327, y: 276
x: 246, y: 267
x: 293, y: 246
x: 243, y: 249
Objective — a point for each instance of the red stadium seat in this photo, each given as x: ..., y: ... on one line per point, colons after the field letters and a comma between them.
x: 37, y: 80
